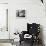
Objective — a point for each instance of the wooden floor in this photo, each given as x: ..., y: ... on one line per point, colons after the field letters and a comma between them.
x: 27, y: 44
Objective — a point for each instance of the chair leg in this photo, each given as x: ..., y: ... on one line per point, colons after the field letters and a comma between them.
x: 20, y: 42
x: 32, y: 42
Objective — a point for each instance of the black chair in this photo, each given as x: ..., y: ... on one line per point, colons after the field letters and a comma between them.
x: 32, y: 29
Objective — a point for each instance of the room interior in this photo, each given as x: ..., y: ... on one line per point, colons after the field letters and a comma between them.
x: 16, y: 15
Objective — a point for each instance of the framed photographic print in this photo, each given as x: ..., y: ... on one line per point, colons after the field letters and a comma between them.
x: 20, y: 13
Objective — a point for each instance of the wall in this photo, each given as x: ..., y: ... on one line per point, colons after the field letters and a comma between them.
x: 3, y: 21
x: 4, y: 34
x: 3, y: 1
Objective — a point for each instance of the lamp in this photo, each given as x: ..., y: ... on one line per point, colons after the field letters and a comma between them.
x: 42, y: 1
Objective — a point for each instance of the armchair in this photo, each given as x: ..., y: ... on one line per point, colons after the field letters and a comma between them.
x: 33, y: 30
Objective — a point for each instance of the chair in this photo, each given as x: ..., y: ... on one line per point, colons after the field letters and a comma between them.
x: 33, y: 30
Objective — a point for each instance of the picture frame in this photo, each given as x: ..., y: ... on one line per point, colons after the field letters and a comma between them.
x: 20, y: 13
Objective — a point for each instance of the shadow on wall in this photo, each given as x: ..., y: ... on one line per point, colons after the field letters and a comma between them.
x: 41, y: 34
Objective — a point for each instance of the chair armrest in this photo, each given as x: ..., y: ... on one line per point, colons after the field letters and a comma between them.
x: 24, y: 32
x: 22, y: 35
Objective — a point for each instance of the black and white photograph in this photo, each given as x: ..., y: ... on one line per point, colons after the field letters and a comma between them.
x: 20, y: 13
x: 22, y: 22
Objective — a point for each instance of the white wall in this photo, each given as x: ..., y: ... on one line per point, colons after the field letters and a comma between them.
x: 3, y: 34
x: 3, y: 1
x: 3, y: 21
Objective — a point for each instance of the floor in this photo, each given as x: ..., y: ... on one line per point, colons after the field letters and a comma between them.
x: 23, y: 44
x: 26, y: 44
x: 5, y: 44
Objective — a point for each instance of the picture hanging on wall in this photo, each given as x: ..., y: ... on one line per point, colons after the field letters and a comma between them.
x: 20, y: 13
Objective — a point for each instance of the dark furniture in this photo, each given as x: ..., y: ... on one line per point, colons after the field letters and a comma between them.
x: 33, y: 30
